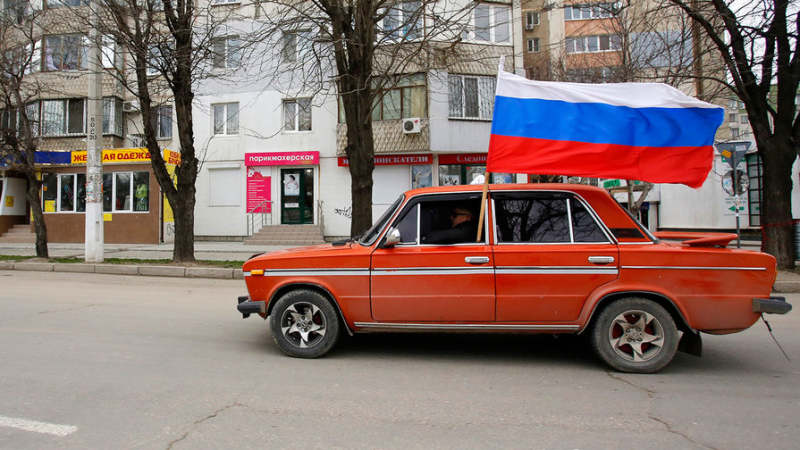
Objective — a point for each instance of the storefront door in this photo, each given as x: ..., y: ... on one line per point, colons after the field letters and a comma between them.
x: 297, y: 196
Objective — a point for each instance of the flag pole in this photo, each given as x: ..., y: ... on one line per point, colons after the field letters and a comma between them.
x: 483, y: 205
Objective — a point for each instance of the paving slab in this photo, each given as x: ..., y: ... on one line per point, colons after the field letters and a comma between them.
x: 116, y: 269
x: 34, y: 266
x: 162, y: 271
x: 209, y: 272
x: 74, y: 268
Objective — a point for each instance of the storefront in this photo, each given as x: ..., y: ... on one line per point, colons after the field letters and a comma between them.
x: 133, y: 210
x: 466, y: 168
x: 292, y: 176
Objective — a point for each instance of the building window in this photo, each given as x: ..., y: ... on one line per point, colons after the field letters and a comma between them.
x: 226, y: 52
x: 733, y: 117
x: 9, y: 120
x: 52, y: 4
x: 734, y: 133
x: 489, y: 23
x: 743, y: 119
x: 733, y: 104
x: 112, y: 116
x: 531, y: 19
x: 224, y: 186
x: 126, y: 192
x: 162, y: 120
x: 589, y: 11
x: 402, y: 21
x: 593, y: 44
x: 226, y: 118
x: 755, y: 193
x: 297, y: 115
x: 471, y: 97
x: 295, y: 45
x: 533, y: 45
x: 65, y: 52
x: 595, y: 74
x: 63, y: 117
x: 405, y: 97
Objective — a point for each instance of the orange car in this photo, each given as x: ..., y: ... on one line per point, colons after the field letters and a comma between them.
x: 550, y: 259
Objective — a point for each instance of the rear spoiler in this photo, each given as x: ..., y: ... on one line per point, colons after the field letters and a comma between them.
x: 697, y: 239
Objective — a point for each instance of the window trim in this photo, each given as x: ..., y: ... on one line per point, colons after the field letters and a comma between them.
x: 489, y: 114
x: 225, y: 56
x: 416, y: 30
x: 470, y: 34
x: 296, y: 118
x: 224, y: 131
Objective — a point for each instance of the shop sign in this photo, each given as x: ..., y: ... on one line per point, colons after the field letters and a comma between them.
x: 393, y: 160
x: 281, y: 158
x: 171, y: 157
x: 126, y: 155
x: 258, y: 191
x: 464, y: 158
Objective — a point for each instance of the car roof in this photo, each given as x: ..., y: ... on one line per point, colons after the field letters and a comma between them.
x: 506, y: 187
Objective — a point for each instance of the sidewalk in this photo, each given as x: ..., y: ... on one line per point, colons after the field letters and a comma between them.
x: 787, y: 282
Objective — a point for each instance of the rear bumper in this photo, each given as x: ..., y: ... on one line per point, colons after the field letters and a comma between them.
x: 772, y: 305
x: 247, y: 306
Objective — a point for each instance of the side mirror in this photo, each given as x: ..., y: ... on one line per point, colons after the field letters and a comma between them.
x: 391, y: 238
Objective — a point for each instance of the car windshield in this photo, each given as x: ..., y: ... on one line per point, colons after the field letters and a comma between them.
x: 372, y: 234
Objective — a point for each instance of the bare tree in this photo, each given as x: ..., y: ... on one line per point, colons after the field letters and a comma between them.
x: 361, y: 48
x: 758, y: 43
x: 19, y: 87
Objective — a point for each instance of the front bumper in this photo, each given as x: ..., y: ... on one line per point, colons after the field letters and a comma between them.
x: 772, y: 305
x: 247, y: 306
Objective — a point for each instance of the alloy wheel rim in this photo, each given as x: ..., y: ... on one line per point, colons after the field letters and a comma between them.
x: 303, y: 325
x: 636, y: 336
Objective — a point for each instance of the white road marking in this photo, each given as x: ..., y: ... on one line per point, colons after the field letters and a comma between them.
x: 37, y: 427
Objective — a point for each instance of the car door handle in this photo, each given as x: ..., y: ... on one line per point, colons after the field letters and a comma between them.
x: 601, y: 259
x: 476, y: 259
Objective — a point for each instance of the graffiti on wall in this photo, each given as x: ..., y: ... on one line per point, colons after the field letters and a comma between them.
x: 346, y: 212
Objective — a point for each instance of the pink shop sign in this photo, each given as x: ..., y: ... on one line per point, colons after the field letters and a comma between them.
x: 281, y: 158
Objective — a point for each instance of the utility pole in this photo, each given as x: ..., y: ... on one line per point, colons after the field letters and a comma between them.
x: 94, y: 146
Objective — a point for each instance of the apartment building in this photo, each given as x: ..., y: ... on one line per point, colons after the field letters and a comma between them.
x: 52, y: 39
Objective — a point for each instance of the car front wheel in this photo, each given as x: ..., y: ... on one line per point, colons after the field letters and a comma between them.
x: 635, y: 335
x: 304, y: 324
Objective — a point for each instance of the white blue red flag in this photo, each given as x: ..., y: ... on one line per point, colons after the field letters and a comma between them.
x: 637, y: 131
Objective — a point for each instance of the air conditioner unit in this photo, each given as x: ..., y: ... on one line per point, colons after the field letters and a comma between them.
x: 411, y: 125
x: 528, y: 26
x: 130, y: 106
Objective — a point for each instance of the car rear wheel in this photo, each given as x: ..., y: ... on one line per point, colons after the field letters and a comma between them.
x: 304, y: 324
x: 635, y: 335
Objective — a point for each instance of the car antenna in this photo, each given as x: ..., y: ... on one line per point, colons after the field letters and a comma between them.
x: 773, y: 337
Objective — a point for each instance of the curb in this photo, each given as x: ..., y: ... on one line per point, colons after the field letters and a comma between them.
x: 120, y: 269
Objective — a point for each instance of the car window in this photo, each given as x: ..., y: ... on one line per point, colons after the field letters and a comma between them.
x: 407, y: 225
x: 532, y: 217
x: 584, y: 226
x: 372, y: 234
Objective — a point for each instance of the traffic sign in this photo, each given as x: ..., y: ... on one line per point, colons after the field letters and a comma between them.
x: 733, y: 152
x: 732, y: 188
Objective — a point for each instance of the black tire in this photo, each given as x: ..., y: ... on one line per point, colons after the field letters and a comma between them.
x: 304, y: 324
x: 635, y: 335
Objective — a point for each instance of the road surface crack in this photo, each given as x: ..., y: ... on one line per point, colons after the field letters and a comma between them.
x: 199, y: 421
x: 651, y: 396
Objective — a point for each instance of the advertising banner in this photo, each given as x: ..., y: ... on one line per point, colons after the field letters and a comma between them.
x: 394, y: 160
x: 464, y: 158
x: 258, y: 191
x: 280, y: 158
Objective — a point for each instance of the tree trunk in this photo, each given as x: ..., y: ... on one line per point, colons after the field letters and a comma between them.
x: 362, y: 164
x: 183, y: 249
x: 39, y: 227
x: 776, y: 208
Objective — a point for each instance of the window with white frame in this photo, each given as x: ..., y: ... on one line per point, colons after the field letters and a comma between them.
x: 226, y: 52
x: 297, y: 114
x: 122, y: 192
x: 531, y: 19
x: 52, y: 4
x: 162, y: 120
x: 402, y: 97
x: 403, y: 20
x: 733, y: 104
x: 533, y: 45
x: 226, y: 118
x: 63, y: 117
x: 65, y: 52
x: 471, y: 97
x: 111, y: 52
x: 295, y: 44
x: 593, y: 44
x: 589, y: 11
x: 112, y: 116
x: 489, y: 23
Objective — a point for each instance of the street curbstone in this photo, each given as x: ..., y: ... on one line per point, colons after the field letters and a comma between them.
x: 238, y: 274
x: 209, y: 272
x: 786, y: 287
x: 34, y: 267
x: 116, y: 269
x: 74, y: 268
x: 162, y: 271
x: 6, y: 265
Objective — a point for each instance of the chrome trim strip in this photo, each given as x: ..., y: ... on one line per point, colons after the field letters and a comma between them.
x: 694, y: 268
x: 313, y: 272
x: 434, y: 271
x: 463, y: 326
x: 557, y: 270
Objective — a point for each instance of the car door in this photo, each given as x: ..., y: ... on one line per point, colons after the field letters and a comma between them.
x: 550, y: 253
x: 418, y: 282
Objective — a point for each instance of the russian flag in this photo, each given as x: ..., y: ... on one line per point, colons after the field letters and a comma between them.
x: 638, y: 131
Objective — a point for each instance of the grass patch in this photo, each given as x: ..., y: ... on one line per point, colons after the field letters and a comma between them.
x: 15, y: 258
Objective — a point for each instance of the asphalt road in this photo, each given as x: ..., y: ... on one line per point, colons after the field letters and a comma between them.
x: 114, y: 362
